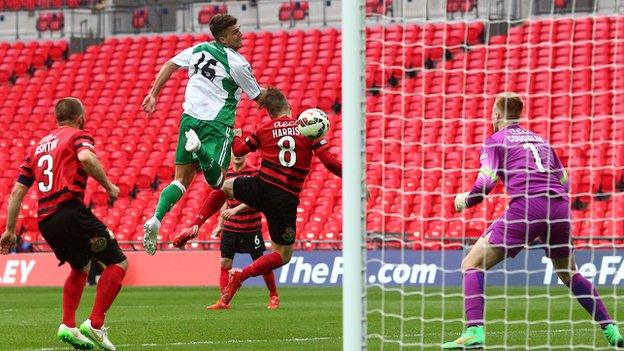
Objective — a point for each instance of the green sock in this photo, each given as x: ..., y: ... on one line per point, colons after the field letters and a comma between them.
x: 168, y: 197
x: 210, y: 167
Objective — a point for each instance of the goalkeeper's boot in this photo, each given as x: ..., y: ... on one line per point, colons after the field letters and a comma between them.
x: 98, y: 336
x: 192, y: 141
x: 150, y: 235
x: 185, y: 235
x: 234, y: 284
x: 73, y: 337
x: 219, y: 305
x: 613, y: 336
x: 472, y: 338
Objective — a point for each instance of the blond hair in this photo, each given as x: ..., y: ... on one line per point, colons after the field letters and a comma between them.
x: 510, y: 105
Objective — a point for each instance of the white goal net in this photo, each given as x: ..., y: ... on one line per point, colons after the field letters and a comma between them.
x: 433, y: 70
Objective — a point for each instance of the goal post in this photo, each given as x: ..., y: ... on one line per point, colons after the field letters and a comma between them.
x: 353, y: 180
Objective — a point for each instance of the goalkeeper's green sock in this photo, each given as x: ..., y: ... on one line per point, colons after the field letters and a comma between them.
x: 472, y: 338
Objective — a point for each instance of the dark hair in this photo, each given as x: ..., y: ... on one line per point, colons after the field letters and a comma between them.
x: 68, y: 109
x: 219, y: 23
x: 274, y: 101
x: 510, y: 105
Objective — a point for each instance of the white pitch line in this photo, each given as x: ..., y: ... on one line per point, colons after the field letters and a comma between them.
x: 206, y: 342
x: 319, y: 338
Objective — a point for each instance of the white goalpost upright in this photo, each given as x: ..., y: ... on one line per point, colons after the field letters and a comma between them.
x: 353, y: 180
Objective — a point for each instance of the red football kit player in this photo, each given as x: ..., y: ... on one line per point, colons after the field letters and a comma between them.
x: 286, y: 158
x: 240, y: 230
x: 59, y: 165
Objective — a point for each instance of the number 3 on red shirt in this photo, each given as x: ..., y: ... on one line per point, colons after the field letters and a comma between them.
x: 47, y: 159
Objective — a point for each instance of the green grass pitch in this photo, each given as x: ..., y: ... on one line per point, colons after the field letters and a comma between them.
x: 309, y: 319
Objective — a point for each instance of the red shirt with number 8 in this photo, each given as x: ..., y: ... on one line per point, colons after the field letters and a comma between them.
x: 286, y: 154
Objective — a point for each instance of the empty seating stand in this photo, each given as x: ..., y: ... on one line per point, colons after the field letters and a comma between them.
x: 293, y: 11
x: 461, y: 6
x: 422, y: 147
x: 561, y: 4
x: 140, y: 18
x: 378, y: 7
x: 207, y: 12
x: 50, y: 21
x: 33, y: 5
x: 20, y: 58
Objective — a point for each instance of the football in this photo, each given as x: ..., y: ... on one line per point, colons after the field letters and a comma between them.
x: 313, y: 123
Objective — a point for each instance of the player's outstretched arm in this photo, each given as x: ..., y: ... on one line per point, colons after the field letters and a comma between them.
x: 486, y: 179
x: 460, y: 201
x: 334, y: 165
x: 9, y: 238
x: 330, y: 162
x: 94, y: 168
x: 149, y: 102
x: 242, y: 147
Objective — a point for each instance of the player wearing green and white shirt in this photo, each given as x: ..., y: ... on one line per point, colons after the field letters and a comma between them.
x: 217, y: 76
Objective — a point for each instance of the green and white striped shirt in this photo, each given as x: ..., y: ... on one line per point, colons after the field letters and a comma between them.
x: 217, y: 75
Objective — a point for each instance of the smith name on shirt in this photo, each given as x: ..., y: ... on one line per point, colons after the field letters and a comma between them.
x: 47, y: 146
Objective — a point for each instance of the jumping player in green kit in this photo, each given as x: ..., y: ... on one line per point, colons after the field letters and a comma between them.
x: 217, y: 76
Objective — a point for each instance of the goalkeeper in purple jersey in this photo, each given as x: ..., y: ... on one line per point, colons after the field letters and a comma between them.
x: 539, y: 210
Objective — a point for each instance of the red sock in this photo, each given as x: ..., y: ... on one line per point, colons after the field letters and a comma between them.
x: 223, y: 281
x: 269, y: 279
x: 72, y: 292
x: 211, y: 205
x: 107, y: 289
x: 263, y: 265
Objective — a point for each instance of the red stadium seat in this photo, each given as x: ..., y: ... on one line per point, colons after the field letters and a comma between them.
x: 12, y: 4
x: 29, y: 5
x: 22, y: 65
x: 57, y: 22
x: 140, y: 18
x: 6, y: 71
x: 460, y: 5
x: 297, y: 11
x: 43, y: 22
x: 99, y: 198
x: 143, y: 181
x: 58, y: 50
x: 561, y: 3
x: 207, y: 12
x: 378, y: 7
